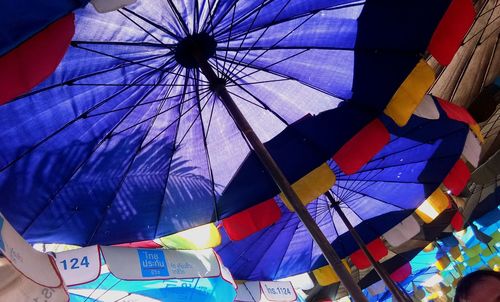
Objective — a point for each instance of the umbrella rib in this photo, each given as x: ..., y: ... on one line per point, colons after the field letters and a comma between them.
x: 178, y: 17
x: 210, y: 22
x: 250, y: 292
x: 196, y: 17
x: 230, y: 34
x: 198, y: 116
x: 264, y: 69
x: 125, y: 84
x: 127, y: 295
x: 143, y: 104
x: 153, y: 116
x: 493, y: 128
x: 107, y: 290
x: 209, y: 163
x: 246, y: 100
x: 125, y: 43
x: 141, y: 27
x: 263, y: 104
x: 258, y: 10
x: 174, y: 149
x: 481, y: 32
x: 232, y: 7
x: 170, y: 33
x: 210, y: 119
x: 33, y: 147
x: 258, y: 82
x: 357, y: 183
x: 97, y: 287
x: 257, y: 68
x: 137, y: 151
x: 69, y: 82
x: 369, y: 196
x: 118, y: 58
x: 276, y: 47
x: 172, y: 123
x: 130, y: 61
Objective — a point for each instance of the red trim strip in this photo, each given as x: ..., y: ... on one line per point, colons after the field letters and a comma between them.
x: 362, y: 147
x: 35, y: 59
x: 451, y: 30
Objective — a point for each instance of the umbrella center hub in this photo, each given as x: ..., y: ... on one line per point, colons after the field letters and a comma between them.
x: 199, y: 46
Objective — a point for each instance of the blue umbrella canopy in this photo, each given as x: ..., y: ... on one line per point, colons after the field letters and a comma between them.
x: 126, y: 141
x: 381, y: 194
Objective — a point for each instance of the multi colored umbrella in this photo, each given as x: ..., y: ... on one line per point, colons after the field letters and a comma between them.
x: 406, y: 171
x: 138, y: 117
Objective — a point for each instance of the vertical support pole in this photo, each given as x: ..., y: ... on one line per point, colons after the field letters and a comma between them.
x: 395, y: 290
x: 265, y: 157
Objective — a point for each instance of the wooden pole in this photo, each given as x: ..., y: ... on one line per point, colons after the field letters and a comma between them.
x: 395, y: 290
x: 219, y: 87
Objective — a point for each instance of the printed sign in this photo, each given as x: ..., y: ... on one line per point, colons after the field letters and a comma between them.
x: 153, y: 263
x: 143, y: 264
x: 278, y: 291
x: 80, y: 265
x: 265, y: 291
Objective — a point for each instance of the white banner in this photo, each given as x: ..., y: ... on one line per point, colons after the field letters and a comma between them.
x: 144, y: 264
x: 79, y: 266
x: 34, y: 265
x: 278, y: 291
x: 266, y: 291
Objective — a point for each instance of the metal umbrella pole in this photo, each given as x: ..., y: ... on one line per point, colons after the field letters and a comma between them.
x: 395, y: 290
x: 218, y: 85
